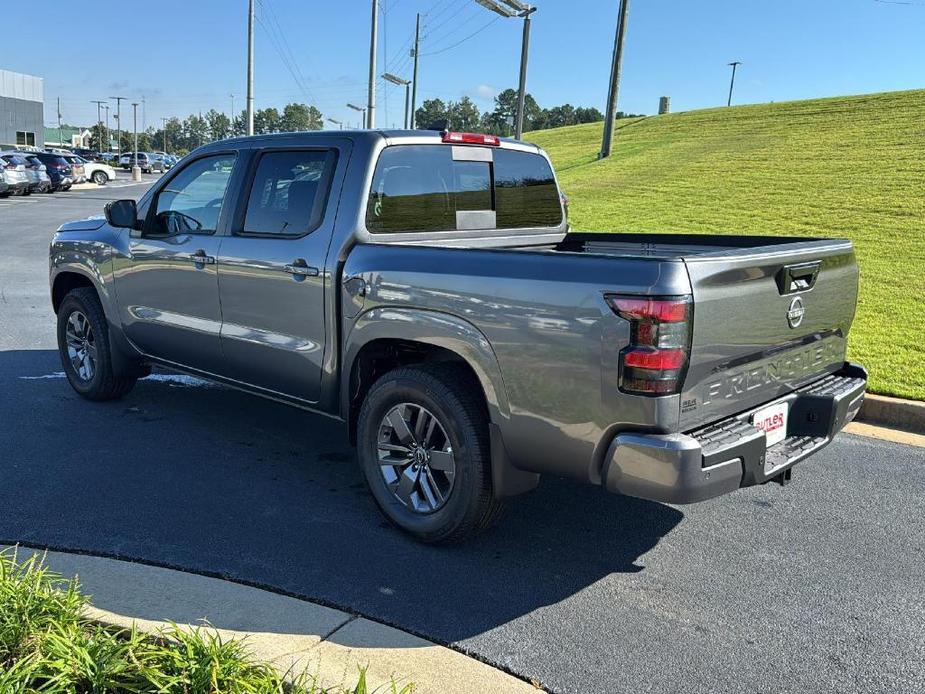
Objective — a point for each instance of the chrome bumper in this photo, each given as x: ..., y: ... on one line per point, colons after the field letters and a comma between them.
x: 720, y: 458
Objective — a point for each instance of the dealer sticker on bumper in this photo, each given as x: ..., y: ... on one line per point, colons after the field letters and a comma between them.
x: 772, y: 420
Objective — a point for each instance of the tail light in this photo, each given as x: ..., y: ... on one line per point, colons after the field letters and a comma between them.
x: 655, y: 361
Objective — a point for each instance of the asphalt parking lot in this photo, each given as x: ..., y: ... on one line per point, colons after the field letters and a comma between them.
x: 816, y: 587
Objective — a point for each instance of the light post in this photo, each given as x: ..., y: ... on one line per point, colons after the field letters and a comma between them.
x: 119, y: 100
x: 136, y: 171
x: 336, y: 122
x: 515, y: 8
x: 99, y: 121
x: 108, y: 136
x: 164, y: 128
x: 361, y: 110
x: 734, y: 65
x: 389, y: 77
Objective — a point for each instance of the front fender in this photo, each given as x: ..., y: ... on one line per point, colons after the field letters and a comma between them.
x: 433, y: 328
x: 89, y: 258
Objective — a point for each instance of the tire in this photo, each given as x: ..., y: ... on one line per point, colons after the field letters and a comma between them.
x: 448, y: 394
x: 81, y: 306
x: 100, y: 178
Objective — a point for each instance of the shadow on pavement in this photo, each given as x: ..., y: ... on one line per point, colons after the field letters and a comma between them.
x: 207, y: 479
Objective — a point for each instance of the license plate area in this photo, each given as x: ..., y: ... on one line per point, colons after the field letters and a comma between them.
x: 772, y: 420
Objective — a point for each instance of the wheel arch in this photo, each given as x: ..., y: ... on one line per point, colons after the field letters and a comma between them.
x: 373, y: 348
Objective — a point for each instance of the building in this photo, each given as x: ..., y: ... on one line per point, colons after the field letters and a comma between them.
x: 67, y: 136
x: 22, y: 110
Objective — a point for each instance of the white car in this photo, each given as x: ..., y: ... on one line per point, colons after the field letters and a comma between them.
x: 99, y: 172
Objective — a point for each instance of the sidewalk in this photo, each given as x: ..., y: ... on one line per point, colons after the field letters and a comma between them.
x: 294, y: 635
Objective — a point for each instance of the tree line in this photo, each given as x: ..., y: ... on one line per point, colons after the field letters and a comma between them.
x: 182, y: 136
x: 465, y: 116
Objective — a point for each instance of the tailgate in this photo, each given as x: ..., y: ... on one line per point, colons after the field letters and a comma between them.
x: 766, y: 321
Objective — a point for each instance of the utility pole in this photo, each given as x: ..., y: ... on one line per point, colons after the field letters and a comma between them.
x: 119, y: 100
x: 144, y: 114
x: 414, y: 78
x: 734, y: 65
x: 615, y: 69
x: 164, y: 128
x: 60, y: 136
x: 373, y: 38
x: 250, y: 67
x: 232, y: 108
x: 99, y: 121
x: 136, y: 172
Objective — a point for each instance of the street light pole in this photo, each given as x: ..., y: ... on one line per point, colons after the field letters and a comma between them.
x: 394, y: 79
x: 136, y: 172
x: 615, y: 69
x: 360, y: 109
x: 516, y: 8
x: 734, y: 65
x: 373, y: 39
x: 522, y: 90
x: 119, y: 100
x: 164, y: 128
x: 336, y: 122
x: 108, y: 137
x: 99, y: 121
x: 250, y: 67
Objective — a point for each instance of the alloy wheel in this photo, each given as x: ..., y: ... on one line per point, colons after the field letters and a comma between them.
x: 416, y: 458
x: 81, y: 346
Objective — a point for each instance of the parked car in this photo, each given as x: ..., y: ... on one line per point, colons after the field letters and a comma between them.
x: 99, y: 172
x: 13, y: 169
x: 77, y: 167
x: 87, y: 154
x: 110, y: 158
x: 59, y: 170
x: 4, y: 187
x: 38, y: 174
x: 425, y: 289
x: 146, y: 162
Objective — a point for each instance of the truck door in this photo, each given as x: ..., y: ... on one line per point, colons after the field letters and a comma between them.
x: 272, y: 277
x: 167, y: 287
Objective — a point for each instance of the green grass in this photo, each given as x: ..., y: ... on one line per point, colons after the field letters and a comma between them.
x: 849, y: 167
x: 47, y: 645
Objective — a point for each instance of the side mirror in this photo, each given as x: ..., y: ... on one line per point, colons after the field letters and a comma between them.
x: 121, y: 213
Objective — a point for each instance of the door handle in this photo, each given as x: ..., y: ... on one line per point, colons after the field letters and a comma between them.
x: 200, y: 258
x: 298, y: 268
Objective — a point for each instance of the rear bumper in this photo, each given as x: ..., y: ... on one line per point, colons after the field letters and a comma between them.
x: 729, y: 454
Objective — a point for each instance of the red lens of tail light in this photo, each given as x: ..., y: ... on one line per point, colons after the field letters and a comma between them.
x: 655, y: 361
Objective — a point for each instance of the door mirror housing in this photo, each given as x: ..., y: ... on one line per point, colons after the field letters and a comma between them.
x: 122, y: 213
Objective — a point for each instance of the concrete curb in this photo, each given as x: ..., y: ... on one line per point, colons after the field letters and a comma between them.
x: 296, y: 636
x: 908, y: 415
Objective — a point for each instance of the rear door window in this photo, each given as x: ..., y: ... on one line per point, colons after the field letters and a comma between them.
x: 289, y: 192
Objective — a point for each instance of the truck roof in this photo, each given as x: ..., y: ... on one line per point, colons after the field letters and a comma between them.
x: 407, y: 136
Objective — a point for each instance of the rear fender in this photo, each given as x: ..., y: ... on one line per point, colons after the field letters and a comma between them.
x: 463, y: 339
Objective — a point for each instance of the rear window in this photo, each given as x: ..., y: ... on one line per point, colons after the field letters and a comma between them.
x: 421, y: 188
x: 525, y: 191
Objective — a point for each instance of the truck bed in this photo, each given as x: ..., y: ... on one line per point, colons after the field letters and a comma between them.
x: 680, y: 246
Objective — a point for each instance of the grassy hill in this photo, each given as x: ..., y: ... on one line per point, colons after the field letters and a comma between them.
x: 848, y: 167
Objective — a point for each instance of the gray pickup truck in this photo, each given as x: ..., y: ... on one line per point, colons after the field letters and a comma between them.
x: 424, y: 288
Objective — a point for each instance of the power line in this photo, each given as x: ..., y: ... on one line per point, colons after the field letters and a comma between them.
x: 462, y: 41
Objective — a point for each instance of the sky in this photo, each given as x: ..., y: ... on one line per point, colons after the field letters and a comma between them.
x: 190, y: 55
